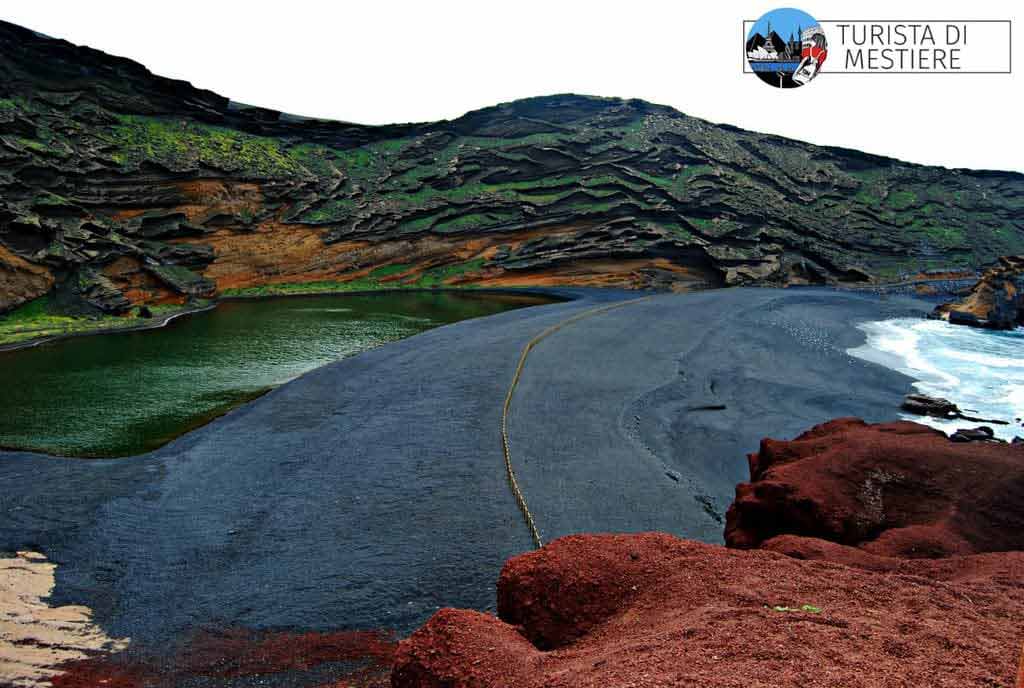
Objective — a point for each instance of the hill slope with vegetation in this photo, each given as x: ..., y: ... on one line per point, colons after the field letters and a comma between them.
x: 119, y: 188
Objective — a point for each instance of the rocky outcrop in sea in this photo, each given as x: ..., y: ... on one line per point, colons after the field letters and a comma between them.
x: 995, y: 302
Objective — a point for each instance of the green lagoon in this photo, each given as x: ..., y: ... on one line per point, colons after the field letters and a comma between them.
x: 126, y: 393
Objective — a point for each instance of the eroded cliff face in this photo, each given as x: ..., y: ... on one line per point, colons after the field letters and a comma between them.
x: 118, y: 187
x: 21, y: 280
x: 995, y: 302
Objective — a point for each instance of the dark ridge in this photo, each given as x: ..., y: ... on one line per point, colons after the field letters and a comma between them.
x: 103, y: 165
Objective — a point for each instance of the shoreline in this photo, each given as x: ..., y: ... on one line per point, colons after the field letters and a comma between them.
x: 554, y: 293
x: 163, y: 322
x: 200, y: 421
x: 972, y: 367
x: 36, y: 637
x: 146, y: 442
x: 375, y: 454
x: 690, y: 401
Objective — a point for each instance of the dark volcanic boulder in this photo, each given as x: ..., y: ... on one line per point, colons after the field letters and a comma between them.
x: 90, y: 292
x: 995, y: 302
x: 892, y: 489
x: 982, y: 433
x: 924, y: 405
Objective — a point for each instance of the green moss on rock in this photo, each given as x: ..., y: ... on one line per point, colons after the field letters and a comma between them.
x: 183, y: 144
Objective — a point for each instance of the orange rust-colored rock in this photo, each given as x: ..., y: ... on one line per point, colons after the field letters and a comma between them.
x: 198, y: 200
x: 555, y: 603
x: 654, y: 610
x: 275, y: 254
x: 138, y: 285
x: 892, y: 489
x: 996, y: 301
x: 20, y: 280
x: 625, y: 273
x: 279, y: 253
x: 936, y: 275
x: 203, y: 199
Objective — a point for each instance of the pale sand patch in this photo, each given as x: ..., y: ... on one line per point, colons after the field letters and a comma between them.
x: 35, y: 637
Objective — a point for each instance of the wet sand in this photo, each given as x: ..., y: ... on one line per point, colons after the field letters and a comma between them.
x: 641, y: 419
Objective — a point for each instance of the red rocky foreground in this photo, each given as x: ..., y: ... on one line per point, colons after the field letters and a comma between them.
x: 239, y: 657
x: 898, y: 574
x: 893, y: 489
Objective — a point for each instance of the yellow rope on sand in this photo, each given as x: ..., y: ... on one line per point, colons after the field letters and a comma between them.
x: 513, y: 483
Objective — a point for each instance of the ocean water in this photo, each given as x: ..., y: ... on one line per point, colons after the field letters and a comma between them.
x: 981, y: 371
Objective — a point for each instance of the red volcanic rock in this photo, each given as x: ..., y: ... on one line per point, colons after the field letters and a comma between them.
x: 463, y: 648
x: 107, y: 672
x: 682, y: 613
x: 238, y: 652
x: 222, y: 657
x: 892, y: 489
x: 864, y: 555
x: 559, y: 593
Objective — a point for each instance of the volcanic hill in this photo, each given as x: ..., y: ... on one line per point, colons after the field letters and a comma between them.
x: 120, y: 188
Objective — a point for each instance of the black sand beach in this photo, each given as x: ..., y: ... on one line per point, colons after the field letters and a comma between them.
x: 372, y: 491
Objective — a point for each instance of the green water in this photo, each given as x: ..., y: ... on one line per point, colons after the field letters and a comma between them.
x: 126, y: 393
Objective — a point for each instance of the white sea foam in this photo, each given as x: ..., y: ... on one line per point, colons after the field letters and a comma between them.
x: 980, y: 370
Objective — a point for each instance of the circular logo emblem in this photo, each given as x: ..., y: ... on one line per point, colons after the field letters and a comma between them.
x: 786, y: 48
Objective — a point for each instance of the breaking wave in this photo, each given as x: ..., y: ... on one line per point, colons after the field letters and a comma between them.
x: 982, y: 371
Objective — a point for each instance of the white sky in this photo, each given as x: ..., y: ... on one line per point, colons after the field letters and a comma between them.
x: 382, y: 61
